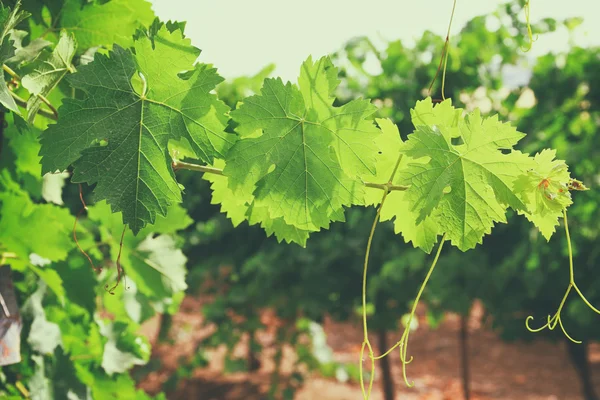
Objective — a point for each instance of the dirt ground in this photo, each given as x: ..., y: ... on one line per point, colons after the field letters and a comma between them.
x: 499, y: 371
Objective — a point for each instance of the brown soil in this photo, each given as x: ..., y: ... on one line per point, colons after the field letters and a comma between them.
x: 499, y: 371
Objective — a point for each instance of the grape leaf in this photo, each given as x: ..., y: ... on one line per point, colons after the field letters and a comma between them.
x: 277, y: 226
x: 25, y: 54
x: 443, y: 113
x: 545, y: 191
x: 466, y: 178
x: 97, y: 23
x: 239, y: 209
x: 235, y: 207
x: 136, y: 114
x: 298, y: 155
x: 47, y: 72
x: 423, y: 234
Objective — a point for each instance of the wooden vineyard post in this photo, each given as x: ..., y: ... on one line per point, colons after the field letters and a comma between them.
x: 10, y: 320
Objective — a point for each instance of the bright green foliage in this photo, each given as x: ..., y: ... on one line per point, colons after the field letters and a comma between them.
x: 467, y: 183
x: 296, y: 162
x: 26, y: 147
x: 117, y: 137
x: 422, y: 235
x: 277, y: 226
x: 300, y: 156
x: 119, y: 387
x: 99, y: 23
x: 232, y: 205
x: 388, y: 145
x: 48, y: 71
x: 24, y: 226
x: 8, y: 20
x: 237, y: 209
x: 545, y: 191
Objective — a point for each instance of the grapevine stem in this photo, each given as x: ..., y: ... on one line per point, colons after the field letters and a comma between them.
x: 195, y: 167
x: 23, y: 103
x: 4, y: 256
x: 443, y: 57
x: 447, y: 48
x: 366, y: 343
x: 385, y: 186
x: 177, y: 165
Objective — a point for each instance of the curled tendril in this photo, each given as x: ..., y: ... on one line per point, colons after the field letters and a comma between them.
x: 556, y: 318
x: 367, y: 393
x: 553, y: 320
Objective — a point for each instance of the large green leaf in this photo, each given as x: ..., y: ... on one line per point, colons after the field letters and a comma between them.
x: 458, y: 172
x: 300, y: 156
x: 117, y: 137
x: 239, y: 208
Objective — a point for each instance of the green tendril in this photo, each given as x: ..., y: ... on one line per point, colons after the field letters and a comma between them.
x: 556, y: 318
x: 446, y: 52
x: 529, y: 31
x: 405, y: 335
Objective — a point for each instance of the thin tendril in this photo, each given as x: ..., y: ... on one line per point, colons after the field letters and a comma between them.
x: 412, y: 313
x: 444, y: 57
x: 556, y: 319
x: 97, y: 269
x: 529, y: 31
x: 447, y: 52
x: 366, y: 343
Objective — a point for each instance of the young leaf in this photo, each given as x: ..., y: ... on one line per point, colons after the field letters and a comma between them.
x: 48, y: 71
x: 135, y: 103
x: 545, y: 191
x: 26, y: 54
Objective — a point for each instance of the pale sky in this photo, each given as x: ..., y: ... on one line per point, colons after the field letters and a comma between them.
x: 241, y: 36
